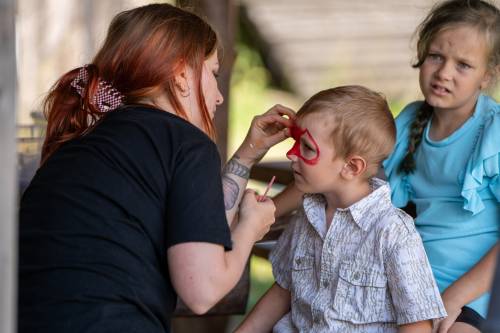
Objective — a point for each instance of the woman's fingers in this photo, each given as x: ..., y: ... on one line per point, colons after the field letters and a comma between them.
x: 258, y: 214
x: 278, y: 137
x: 274, y: 119
x: 281, y: 111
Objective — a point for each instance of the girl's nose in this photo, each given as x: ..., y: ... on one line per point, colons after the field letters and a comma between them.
x: 445, y: 71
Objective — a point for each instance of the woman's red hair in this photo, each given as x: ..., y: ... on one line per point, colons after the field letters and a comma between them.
x: 145, y: 47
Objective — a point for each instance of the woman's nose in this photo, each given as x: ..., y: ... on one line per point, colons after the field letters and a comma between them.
x: 220, y: 98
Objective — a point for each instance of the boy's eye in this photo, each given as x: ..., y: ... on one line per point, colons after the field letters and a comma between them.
x: 307, y: 147
x: 463, y: 65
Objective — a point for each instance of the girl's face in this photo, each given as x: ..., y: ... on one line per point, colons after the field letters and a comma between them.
x: 210, y: 90
x: 323, y: 175
x: 455, y: 69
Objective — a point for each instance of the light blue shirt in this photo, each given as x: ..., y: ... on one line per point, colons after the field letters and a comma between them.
x: 456, y: 189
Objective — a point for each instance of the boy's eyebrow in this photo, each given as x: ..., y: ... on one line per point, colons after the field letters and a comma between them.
x: 468, y: 61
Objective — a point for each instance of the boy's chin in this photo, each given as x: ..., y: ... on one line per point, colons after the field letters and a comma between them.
x: 302, y: 187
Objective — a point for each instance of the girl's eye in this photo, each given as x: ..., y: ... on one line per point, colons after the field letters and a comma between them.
x: 434, y: 57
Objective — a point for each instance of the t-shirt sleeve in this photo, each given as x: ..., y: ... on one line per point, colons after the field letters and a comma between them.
x: 195, y: 204
x: 414, y: 292
x: 484, y: 164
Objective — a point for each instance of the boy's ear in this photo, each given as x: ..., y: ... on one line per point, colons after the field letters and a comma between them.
x: 355, y: 166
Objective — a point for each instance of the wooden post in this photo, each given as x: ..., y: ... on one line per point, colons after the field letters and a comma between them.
x: 222, y: 16
x: 8, y: 188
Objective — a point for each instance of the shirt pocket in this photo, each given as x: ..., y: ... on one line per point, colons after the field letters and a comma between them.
x: 302, y: 275
x: 362, y: 295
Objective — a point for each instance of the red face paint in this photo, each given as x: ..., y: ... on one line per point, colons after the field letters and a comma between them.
x: 298, y: 149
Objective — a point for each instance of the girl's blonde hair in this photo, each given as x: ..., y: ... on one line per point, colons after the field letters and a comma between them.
x: 479, y: 14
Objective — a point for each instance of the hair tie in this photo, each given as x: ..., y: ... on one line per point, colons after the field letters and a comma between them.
x: 107, y: 97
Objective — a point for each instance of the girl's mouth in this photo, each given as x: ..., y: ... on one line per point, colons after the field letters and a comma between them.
x: 439, y: 90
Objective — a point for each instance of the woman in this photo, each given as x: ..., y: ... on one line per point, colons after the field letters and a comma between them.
x: 127, y: 209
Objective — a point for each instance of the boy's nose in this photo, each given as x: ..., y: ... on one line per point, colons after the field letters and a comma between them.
x: 291, y: 155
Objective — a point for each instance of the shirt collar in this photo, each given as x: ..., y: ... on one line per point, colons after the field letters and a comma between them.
x: 363, y: 212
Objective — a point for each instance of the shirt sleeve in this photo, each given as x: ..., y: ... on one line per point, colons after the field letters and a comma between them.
x: 412, y: 286
x: 281, y: 256
x: 195, y: 204
x: 484, y: 164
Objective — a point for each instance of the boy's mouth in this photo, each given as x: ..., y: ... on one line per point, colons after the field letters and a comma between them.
x: 295, y: 172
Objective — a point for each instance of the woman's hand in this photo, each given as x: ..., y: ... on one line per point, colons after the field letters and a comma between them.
x: 265, y: 131
x: 202, y: 273
x: 256, y: 217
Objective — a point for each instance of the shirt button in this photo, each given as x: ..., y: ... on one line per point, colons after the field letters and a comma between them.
x: 325, y: 284
x: 297, y: 261
x: 356, y: 276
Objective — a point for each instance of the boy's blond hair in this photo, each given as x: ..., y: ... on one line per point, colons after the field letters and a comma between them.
x: 361, y: 123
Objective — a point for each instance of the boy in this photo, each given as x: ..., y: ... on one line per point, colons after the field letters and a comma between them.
x: 349, y: 261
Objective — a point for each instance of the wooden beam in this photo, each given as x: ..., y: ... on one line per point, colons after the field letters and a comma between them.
x: 222, y: 16
x: 8, y: 188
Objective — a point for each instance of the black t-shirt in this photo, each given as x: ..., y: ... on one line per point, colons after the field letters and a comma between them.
x: 99, y: 215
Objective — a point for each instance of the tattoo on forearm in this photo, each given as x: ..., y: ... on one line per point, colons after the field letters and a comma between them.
x: 231, y: 191
x: 236, y: 168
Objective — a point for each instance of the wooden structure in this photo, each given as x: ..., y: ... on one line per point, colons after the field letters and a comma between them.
x: 8, y: 234
x: 312, y: 45
x: 222, y: 15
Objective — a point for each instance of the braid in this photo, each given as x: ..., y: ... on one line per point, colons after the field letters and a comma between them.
x: 416, y: 133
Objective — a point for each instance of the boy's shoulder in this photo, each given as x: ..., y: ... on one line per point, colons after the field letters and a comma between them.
x: 395, y: 225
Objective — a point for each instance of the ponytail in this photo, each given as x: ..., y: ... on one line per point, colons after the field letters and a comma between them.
x: 422, y: 117
x: 74, y: 105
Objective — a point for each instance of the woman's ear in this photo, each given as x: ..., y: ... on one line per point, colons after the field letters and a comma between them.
x: 182, y: 82
x: 355, y: 166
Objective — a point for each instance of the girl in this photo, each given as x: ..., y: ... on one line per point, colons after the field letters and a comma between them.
x: 446, y: 159
x: 127, y: 211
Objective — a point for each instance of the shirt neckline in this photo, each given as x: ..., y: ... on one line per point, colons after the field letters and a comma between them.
x: 314, y: 206
x: 458, y: 132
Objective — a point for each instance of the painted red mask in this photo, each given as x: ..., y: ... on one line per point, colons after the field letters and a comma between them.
x: 301, y: 150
